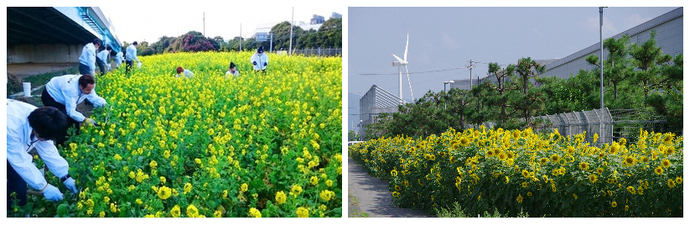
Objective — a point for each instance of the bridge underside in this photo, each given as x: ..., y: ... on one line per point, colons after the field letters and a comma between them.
x: 43, y: 25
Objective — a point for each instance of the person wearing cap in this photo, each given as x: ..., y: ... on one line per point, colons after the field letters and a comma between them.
x: 232, y: 70
x: 259, y: 59
x: 66, y: 92
x: 183, y: 72
x: 131, y: 56
x: 102, y: 60
x: 31, y: 127
x: 87, y: 59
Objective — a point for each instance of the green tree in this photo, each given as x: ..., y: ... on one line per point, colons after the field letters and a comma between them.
x: 646, y: 58
x: 530, y: 101
x: 332, y: 33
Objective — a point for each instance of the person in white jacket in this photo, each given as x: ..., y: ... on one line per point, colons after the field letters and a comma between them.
x: 87, y: 59
x: 232, y: 70
x: 181, y: 72
x: 119, y: 58
x: 102, y: 60
x: 259, y: 59
x: 131, y: 56
x: 30, y: 127
x: 66, y: 92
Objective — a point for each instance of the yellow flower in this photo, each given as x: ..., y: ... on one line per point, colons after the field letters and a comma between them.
x: 192, y: 211
x: 162, y: 179
x: 543, y: 161
x: 671, y: 183
x: 394, y: 173
x: 561, y: 171
x: 614, y: 204
x: 244, y: 187
x: 164, y: 193
x: 659, y: 170
x: 529, y: 194
x: 281, y: 197
x: 326, y: 195
x: 519, y: 198
x: 631, y: 189
x: 175, y: 211
x: 600, y: 170
x: 217, y: 214
x: 507, y: 179
x: 524, y: 184
x: 584, y: 165
x: 153, y: 164
x: 665, y: 163
x: 314, y: 180
x: 555, y: 158
x: 295, y: 190
x: 679, y: 180
x: 116, y: 157
x: 187, y: 188
x: 302, y: 212
x: 253, y: 212
x: 592, y: 178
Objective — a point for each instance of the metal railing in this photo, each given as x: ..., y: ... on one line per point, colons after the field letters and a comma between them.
x: 320, y: 52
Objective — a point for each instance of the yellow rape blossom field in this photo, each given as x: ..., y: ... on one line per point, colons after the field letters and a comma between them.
x: 519, y: 172
x: 210, y: 146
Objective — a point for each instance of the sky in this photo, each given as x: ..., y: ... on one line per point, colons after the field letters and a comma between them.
x: 445, y: 39
x: 225, y: 20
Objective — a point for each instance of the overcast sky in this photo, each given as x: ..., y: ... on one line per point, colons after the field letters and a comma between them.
x: 446, y: 38
x: 223, y: 20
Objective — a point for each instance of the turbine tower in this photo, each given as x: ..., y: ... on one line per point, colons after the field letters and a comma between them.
x: 403, y: 62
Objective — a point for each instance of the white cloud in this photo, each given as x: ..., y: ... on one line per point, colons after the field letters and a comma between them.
x: 450, y: 43
x: 634, y: 20
x: 608, y: 28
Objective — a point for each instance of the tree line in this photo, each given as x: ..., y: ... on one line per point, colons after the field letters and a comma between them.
x: 635, y: 77
x: 329, y: 35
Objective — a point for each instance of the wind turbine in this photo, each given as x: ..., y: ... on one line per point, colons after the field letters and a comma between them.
x: 403, y: 62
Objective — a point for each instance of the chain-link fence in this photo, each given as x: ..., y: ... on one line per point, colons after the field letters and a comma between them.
x: 320, y: 52
x: 610, y: 125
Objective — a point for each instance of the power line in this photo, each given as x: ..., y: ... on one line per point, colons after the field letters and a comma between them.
x: 432, y: 71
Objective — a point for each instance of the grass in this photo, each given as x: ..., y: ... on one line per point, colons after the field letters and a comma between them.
x: 354, y: 212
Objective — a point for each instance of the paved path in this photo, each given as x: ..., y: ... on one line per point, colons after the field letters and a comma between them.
x: 370, y: 196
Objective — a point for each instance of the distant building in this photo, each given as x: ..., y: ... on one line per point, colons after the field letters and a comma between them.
x: 669, y: 36
x: 316, y: 19
x: 262, y: 30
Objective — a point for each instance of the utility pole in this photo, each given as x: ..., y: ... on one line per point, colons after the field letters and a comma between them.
x: 601, y: 71
x: 240, y: 37
x: 470, y: 67
x: 292, y: 21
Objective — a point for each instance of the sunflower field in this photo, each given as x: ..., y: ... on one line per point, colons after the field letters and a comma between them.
x: 514, y: 171
x: 254, y: 145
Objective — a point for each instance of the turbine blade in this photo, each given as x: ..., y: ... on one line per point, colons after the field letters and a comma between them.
x: 408, y: 82
x: 407, y: 44
x: 396, y: 57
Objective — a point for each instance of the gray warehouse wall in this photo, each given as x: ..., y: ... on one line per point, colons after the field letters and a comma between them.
x: 57, y: 53
x: 669, y: 36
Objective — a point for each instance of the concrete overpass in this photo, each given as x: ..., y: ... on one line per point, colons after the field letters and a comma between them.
x: 51, y: 38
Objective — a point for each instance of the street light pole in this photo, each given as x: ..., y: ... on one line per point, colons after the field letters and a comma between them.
x: 601, y: 71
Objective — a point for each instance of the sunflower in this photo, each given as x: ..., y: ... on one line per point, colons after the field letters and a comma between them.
x: 592, y: 178
x: 394, y: 173
x: 659, y: 170
x: 529, y: 194
x: 561, y: 171
x: 644, y: 159
x: 464, y: 141
x: 555, y: 158
x: 629, y: 161
x: 671, y: 183
x: 614, y: 204
x: 668, y: 139
x: 600, y: 170
x: 524, y: 184
x: 571, y: 149
x: 614, y: 148
x: 679, y: 180
x: 640, y: 190
x: 670, y: 150
x: 665, y: 163
x: 519, y: 198
x: 543, y: 161
x: 525, y: 173
x: 584, y: 165
x: 502, y: 156
x: 631, y: 189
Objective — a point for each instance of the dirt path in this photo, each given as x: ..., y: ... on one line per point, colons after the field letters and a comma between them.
x: 369, y: 196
